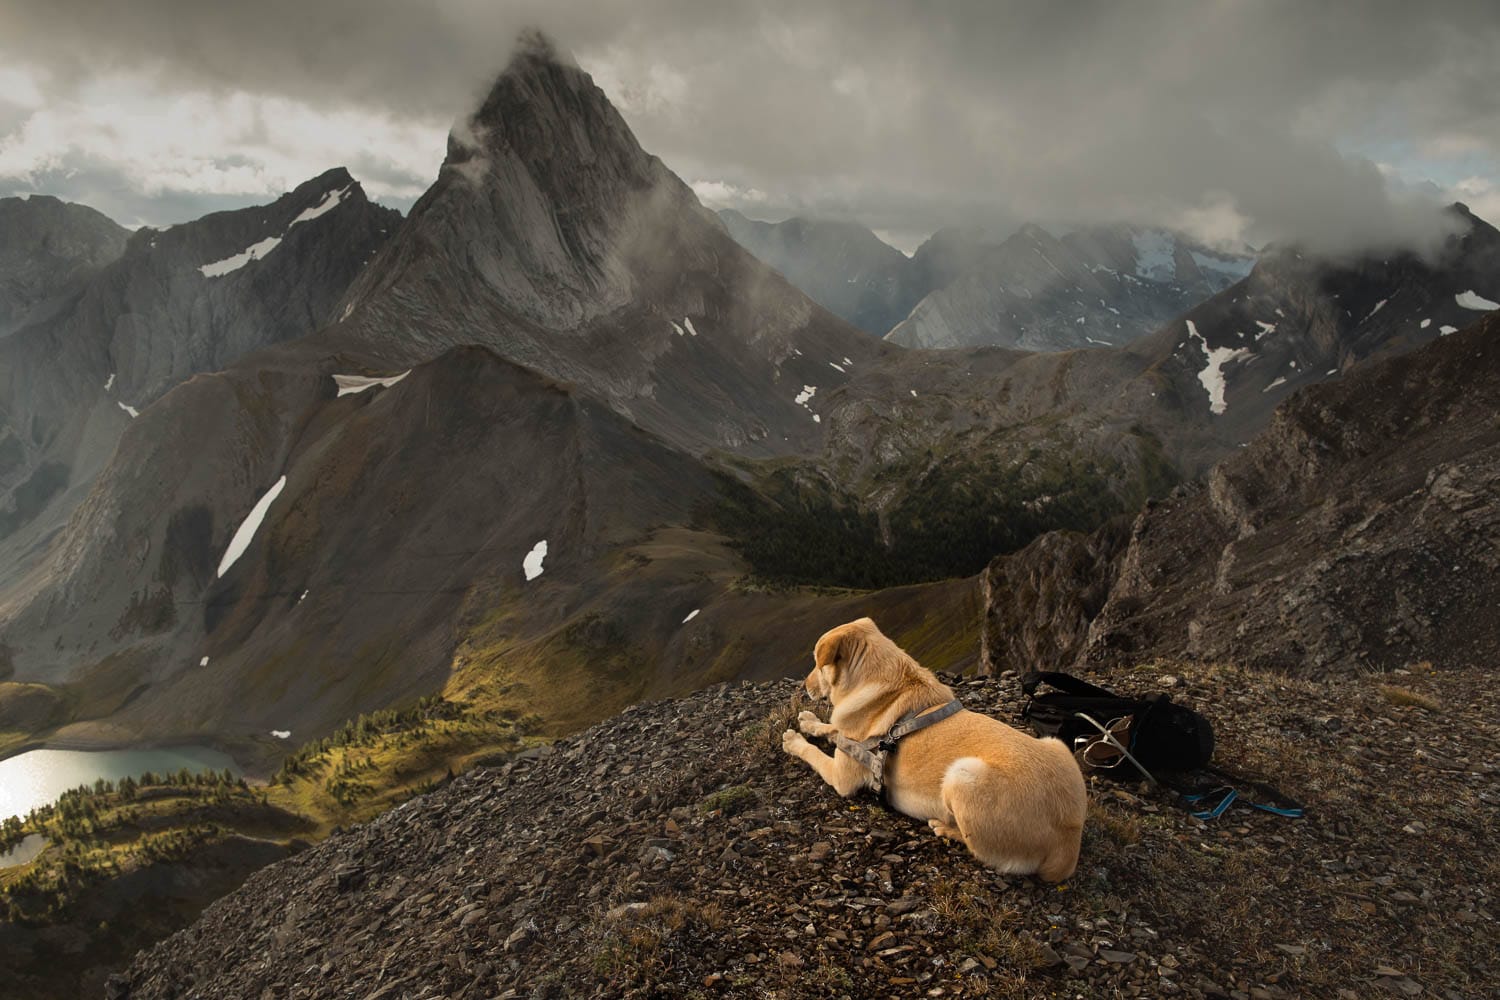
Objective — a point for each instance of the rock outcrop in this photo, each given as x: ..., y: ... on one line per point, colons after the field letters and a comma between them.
x: 1356, y: 533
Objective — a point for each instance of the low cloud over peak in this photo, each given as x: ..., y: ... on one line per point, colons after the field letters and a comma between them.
x: 1258, y: 122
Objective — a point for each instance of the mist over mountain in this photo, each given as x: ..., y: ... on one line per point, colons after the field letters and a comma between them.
x: 842, y: 266
x: 1099, y: 286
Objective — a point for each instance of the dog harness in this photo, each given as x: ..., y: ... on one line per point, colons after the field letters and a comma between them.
x: 872, y: 753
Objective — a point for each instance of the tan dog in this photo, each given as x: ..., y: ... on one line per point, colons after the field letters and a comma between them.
x: 1016, y: 801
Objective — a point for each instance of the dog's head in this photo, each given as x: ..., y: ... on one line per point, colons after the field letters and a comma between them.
x: 842, y: 656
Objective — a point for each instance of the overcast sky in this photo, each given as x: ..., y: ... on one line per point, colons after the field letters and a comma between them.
x: 1336, y: 123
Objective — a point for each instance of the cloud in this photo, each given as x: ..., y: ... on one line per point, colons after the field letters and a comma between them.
x: 145, y: 155
x: 1229, y: 116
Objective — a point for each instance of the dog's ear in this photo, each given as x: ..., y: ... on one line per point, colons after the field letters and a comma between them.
x: 837, y: 651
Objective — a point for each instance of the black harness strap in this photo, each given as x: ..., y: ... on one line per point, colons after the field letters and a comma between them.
x: 872, y: 753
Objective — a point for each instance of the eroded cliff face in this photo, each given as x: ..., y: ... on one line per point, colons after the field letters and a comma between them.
x: 1359, y: 531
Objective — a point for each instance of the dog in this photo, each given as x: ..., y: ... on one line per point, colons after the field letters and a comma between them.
x: 1016, y: 801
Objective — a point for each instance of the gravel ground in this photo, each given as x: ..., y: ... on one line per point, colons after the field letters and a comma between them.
x: 674, y: 851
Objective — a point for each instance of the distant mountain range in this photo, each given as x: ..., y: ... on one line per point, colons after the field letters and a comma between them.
x: 1100, y: 286
x: 548, y: 426
x: 112, y: 324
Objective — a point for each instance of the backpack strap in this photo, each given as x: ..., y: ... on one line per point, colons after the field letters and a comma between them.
x: 1066, y: 683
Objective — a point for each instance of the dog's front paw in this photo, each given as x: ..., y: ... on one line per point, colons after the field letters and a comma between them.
x: 810, y: 724
x: 793, y: 743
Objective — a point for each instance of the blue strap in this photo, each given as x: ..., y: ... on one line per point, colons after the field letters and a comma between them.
x: 1217, y: 810
x: 1231, y: 795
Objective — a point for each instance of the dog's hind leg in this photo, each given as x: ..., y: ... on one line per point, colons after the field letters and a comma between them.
x: 946, y: 828
x: 969, y: 798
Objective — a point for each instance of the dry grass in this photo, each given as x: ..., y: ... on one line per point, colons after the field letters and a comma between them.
x: 1406, y: 697
x: 765, y: 735
x: 1118, y: 825
x: 636, y: 947
x: 984, y: 924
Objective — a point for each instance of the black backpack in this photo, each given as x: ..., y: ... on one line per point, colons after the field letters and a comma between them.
x: 1159, y: 734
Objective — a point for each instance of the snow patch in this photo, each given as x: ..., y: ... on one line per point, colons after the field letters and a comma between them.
x: 849, y: 363
x: 1280, y: 380
x: 532, y: 564
x: 1379, y: 306
x: 1091, y: 340
x: 330, y: 201
x: 691, y: 615
x: 1425, y: 323
x: 677, y: 329
x: 347, y: 310
x: 203, y: 662
x: 282, y: 734
x: 1280, y: 313
x: 1475, y: 301
x: 109, y: 383
x: 1265, y: 328
x: 258, y: 251
x: 687, y: 322
x: 255, y: 251
x: 808, y: 391
x: 817, y: 419
x: 834, y: 367
x: 1443, y: 331
x: 913, y: 393
x: 349, y: 384
x: 1212, y: 375
x: 246, y: 531
x: 304, y: 596
x: 129, y: 409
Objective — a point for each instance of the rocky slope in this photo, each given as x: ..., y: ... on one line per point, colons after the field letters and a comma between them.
x: 1097, y: 287
x: 46, y: 244
x: 842, y: 266
x: 675, y: 851
x: 1355, y: 533
x: 189, y: 299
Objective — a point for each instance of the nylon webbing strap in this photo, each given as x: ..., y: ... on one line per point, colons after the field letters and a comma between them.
x: 1231, y: 795
x: 872, y: 753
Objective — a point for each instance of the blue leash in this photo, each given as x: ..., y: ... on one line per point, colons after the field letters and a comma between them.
x: 1232, y: 794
